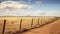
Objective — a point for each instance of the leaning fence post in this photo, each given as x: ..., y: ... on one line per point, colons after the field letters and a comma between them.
x: 38, y: 21
x: 41, y: 20
x: 4, y: 26
x: 32, y: 23
x: 20, y: 24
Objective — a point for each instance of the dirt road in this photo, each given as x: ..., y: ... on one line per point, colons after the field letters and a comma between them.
x: 52, y: 28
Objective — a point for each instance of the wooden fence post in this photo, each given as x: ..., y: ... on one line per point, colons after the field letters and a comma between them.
x: 38, y: 22
x: 20, y: 24
x: 32, y: 23
x: 41, y: 20
x: 4, y: 26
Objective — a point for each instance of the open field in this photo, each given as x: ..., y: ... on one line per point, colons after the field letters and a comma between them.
x: 14, y: 24
x: 52, y: 28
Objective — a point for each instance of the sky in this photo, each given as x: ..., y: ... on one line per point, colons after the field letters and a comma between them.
x: 30, y: 8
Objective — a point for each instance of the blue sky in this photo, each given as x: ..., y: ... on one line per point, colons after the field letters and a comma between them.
x: 41, y: 5
x: 47, y: 4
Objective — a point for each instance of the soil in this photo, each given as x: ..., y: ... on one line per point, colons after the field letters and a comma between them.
x: 52, y: 28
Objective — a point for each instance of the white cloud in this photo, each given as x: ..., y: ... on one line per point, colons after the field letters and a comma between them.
x: 53, y: 13
x: 13, y: 13
x: 38, y: 13
x: 13, y: 8
x: 46, y: 13
x: 13, y: 5
x: 29, y: 13
x: 38, y: 3
x: 29, y: 0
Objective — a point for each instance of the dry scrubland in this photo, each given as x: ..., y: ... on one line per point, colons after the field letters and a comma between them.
x: 13, y: 23
x: 52, y: 28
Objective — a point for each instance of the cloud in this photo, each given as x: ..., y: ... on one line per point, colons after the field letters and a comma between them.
x: 13, y: 5
x: 14, y: 13
x: 38, y: 13
x: 38, y: 3
x: 53, y: 13
x: 29, y: 13
x: 47, y: 13
x: 14, y: 8
x: 29, y: 0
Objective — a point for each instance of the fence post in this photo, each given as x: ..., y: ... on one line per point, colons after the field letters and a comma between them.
x: 38, y: 21
x: 41, y: 20
x: 20, y: 24
x: 32, y: 23
x: 4, y: 26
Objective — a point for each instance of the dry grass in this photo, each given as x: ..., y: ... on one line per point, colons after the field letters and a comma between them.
x: 52, y: 28
x: 13, y: 23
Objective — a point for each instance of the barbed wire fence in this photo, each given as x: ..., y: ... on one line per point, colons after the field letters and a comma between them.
x: 20, y: 27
